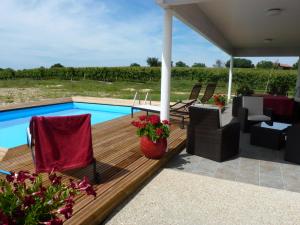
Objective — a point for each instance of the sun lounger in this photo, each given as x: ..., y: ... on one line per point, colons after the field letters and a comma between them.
x: 209, y: 92
x: 147, y: 108
x: 179, y: 109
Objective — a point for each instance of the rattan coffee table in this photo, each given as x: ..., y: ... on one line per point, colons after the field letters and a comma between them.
x: 267, y: 135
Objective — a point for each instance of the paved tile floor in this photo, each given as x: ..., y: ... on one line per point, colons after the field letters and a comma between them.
x: 254, y: 165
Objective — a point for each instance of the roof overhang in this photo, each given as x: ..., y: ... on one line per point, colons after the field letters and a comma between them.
x: 243, y: 27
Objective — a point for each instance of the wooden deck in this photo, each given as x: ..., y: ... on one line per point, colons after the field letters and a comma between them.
x: 122, y: 167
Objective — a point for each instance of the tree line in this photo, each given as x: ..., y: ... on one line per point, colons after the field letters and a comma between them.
x: 155, y: 62
x: 237, y: 63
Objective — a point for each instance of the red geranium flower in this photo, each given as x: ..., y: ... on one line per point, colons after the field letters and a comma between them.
x: 152, y: 127
x: 19, y: 177
x: 143, y: 117
x: 10, y: 178
x: 72, y: 184
x: 154, y: 119
x: 28, y: 201
x: 166, y: 122
x: 85, y: 185
x: 142, y: 125
x: 55, y: 221
x: 66, y: 211
x: 70, y: 201
x: 40, y: 194
x: 55, y: 180
x: 4, y: 219
x: 159, y: 131
x: 135, y: 123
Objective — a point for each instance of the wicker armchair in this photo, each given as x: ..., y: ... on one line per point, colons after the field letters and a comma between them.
x: 252, y: 112
x: 207, y: 138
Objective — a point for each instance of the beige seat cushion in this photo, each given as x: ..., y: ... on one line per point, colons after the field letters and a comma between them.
x: 258, y: 118
x: 255, y: 105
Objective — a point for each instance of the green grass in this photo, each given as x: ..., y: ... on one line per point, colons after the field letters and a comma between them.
x: 38, y: 89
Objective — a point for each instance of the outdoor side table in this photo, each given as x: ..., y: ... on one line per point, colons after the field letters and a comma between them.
x: 269, y: 135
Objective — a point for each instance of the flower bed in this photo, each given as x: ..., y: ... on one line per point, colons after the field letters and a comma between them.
x: 24, y: 199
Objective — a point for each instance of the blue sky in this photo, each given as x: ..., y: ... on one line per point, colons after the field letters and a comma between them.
x: 38, y: 33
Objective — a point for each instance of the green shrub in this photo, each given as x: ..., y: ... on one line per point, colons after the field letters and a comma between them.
x: 254, y: 78
x: 279, y: 85
x: 244, y: 90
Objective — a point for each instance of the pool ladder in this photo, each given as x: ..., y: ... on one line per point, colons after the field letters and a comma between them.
x: 137, y: 97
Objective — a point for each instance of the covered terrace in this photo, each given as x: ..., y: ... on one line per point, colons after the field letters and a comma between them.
x: 197, y: 190
x: 241, y: 28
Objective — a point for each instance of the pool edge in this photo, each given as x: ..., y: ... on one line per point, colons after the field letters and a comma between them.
x: 35, y: 104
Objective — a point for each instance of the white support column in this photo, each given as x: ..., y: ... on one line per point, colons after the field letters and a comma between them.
x: 166, y: 66
x: 230, y: 80
x: 297, y: 95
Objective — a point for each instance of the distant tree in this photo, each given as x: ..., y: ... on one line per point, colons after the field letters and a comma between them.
x: 295, y: 65
x: 8, y: 73
x: 240, y: 63
x: 135, y: 65
x: 10, y: 70
x: 265, y: 64
x: 218, y: 64
x: 57, y: 65
x: 198, y: 65
x: 181, y: 64
x: 153, y: 62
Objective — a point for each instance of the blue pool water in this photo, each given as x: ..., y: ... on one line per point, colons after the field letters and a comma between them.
x: 13, y: 123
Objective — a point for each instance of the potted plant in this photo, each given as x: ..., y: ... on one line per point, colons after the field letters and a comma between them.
x: 244, y: 90
x: 220, y: 100
x: 24, y: 199
x: 154, y: 134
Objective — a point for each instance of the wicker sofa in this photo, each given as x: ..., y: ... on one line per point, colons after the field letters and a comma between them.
x: 207, y: 138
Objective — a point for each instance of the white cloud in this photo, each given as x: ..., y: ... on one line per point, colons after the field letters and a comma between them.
x: 75, y: 33
x: 36, y: 33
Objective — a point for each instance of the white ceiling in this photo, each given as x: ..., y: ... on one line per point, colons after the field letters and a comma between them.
x: 240, y: 27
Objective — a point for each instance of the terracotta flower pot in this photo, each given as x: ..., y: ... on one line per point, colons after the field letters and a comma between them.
x: 220, y: 105
x: 153, y: 150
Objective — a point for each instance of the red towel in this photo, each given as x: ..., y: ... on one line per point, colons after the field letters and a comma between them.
x: 62, y: 142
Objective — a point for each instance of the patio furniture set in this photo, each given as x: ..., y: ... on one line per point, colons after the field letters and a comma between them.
x: 272, y: 123
x: 206, y: 136
x: 209, y: 139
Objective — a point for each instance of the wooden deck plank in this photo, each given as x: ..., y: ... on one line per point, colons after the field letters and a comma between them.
x: 119, y: 161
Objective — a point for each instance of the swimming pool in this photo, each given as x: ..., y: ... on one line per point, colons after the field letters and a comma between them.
x: 13, y: 123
